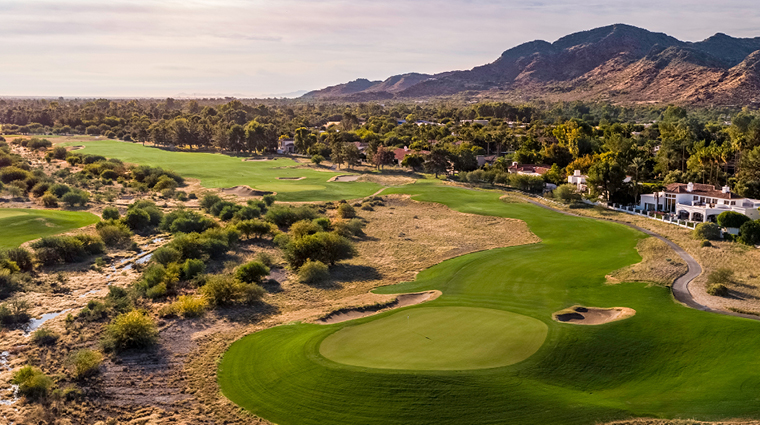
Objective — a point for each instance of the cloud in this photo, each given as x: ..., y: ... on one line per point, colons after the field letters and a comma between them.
x: 160, y: 48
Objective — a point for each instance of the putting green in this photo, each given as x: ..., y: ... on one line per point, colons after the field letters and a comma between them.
x: 438, y: 338
x: 18, y: 225
x: 221, y: 171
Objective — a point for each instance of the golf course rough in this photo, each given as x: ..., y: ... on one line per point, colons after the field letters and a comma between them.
x: 438, y: 338
x: 667, y: 361
x: 19, y: 225
x: 281, y: 175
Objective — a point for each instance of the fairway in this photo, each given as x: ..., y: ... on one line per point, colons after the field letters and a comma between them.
x: 19, y: 225
x: 222, y: 171
x: 443, y: 338
x: 667, y: 361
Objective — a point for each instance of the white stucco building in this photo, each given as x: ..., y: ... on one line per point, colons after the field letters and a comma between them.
x: 698, y: 202
x: 578, y: 179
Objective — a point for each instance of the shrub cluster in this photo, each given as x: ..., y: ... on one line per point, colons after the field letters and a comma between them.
x: 67, y: 249
x: 226, y: 289
x: 706, y: 231
x: 32, y: 382
x: 134, y: 329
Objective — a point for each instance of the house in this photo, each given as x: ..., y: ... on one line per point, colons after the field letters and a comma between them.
x: 579, y: 180
x: 485, y: 159
x: 286, y: 146
x: 698, y: 202
x: 529, y: 169
x: 401, y: 153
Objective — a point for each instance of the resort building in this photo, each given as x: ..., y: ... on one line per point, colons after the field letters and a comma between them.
x: 698, y: 202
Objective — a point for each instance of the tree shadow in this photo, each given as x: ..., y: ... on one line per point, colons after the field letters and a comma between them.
x: 353, y: 273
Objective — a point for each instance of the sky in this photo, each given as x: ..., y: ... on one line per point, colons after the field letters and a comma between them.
x: 257, y: 48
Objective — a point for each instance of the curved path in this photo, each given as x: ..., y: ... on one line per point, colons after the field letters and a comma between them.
x: 680, y: 287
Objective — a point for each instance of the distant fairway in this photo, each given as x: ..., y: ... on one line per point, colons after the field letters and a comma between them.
x: 442, y: 338
x: 220, y: 171
x: 19, y: 225
x: 667, y: 361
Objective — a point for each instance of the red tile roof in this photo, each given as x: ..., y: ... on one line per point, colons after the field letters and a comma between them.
x: 706, y: 190
x: 529, y: 168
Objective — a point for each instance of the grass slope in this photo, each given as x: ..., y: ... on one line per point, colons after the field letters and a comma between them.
x: 667, y: 361
x: 219, y: 171
x: 20, y: 224
x: 438, y: 338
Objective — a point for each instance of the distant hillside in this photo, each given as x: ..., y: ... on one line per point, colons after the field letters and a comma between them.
x: 618, y: 63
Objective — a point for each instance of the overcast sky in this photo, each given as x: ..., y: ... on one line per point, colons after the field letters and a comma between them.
x: 144, y: 48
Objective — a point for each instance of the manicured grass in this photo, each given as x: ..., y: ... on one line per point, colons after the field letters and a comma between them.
x: 220, y: 171
x: 666, y: 361
x: 438, y: 338
x: 19, y: 225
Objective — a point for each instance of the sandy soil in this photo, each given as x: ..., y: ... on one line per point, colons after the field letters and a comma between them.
x: 382, y: 305
x: 579, y: 315
x: 346, y: 178
x: 244, y: 191
x: 659, y: 265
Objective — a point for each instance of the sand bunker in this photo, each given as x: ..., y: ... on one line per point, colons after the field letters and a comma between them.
x: 346, y: 178
x: 257, y: 159
x: 290, y: 178
x: 245, y: 191
x: 403, y: 300
x: 580, y: 315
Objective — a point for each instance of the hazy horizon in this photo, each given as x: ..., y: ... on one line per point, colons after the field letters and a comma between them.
x: 253, y: 48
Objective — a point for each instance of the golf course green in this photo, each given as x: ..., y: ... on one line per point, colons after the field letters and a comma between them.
x: 18, y: 225
x: 438, y: 338
x: 222, y: 171
x: 667, y: 361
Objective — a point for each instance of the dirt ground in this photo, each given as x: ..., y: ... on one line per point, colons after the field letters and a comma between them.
x: 659, y: 264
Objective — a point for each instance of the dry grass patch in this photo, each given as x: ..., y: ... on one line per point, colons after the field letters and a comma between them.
x: 386, y: 179
x: 660, y: 265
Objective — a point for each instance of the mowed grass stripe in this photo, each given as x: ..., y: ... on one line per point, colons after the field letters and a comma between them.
x: 19, y: 225
x: 221, y: 171
x: 667, y: 361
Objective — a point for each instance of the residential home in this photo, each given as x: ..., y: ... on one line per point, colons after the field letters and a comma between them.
x: 401, y: 153
x: 529, y: 169
x: 579, y: 180
x: 699, y: 202
x: 286, y: 146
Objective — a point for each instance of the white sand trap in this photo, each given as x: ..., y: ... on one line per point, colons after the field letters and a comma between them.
x: 290, y: 178
x: 579, y: 315
x: 403, y: 300
x: 346, y: 178
x: 244, y: 191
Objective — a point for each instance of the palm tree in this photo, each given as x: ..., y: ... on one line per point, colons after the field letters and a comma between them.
x: 635, y: 168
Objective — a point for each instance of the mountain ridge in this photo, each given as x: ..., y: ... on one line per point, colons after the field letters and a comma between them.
x: 618, y: 62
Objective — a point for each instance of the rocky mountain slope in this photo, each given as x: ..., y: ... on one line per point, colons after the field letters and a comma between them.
x: 618, y: 63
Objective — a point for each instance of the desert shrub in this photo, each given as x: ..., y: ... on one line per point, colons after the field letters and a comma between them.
x: 325, y: 247
x: 67, y: 249
x: 264, y: 258
x: 166, y: 255
x: 225, y: 289
x: 115, y: 234
x: 323, y: 223
x: 59, y: 152
x: 269, y: 199
x: 247, y: 212
x: 717, y: 290
x: 190, y: 306
x: 118, y: 299
x: 40, y: 188
x: 706, y: 244
x: 158, y: 280
x: 283, y: 216
x: 209, y: 200
x: 93, y: 311
x: 134, y: 329
x: 281, y: 240
x: 83, y: 363
x: 165, y: 182
x: 302, y: 228
x: 255, y: 227
x: 21, y: 256
x: 32, y: 383
x: 229, y: 211
x: 49, y: 201
x: 732, y: 219
x: 137, y: 219
x: 317, y: 159
x: 526, y: 183
x: 109, y: 175
x: 14, y: 312
x: 566, y: 193
x: 192, y: 268
x: 44, y: 336
x: 346, y: 211
x: 76, y: 197
x: 750, y: 232
x: 35, y: 143
x: 59, y: 189
x: 149, y: 207
x: 110, y: 213
x: 251, y: 272
x: 708, y: 231
x: 349, y: 228
x: 313, y: 272
x: 9, y: 174
x: 722, y: 275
